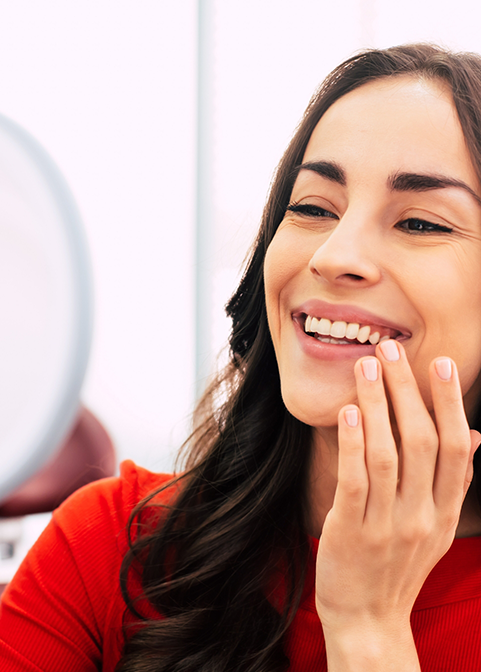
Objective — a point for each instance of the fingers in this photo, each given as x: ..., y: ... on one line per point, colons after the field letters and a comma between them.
x: 475, y: 438
x: 456, y: 443
x: 435, y: 465
x: 380, y: 448
x: 417, y: 432
x: 435, y: 459
x: 353, y: 483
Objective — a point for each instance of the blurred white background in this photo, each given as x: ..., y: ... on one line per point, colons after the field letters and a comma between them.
x: 109, y: 88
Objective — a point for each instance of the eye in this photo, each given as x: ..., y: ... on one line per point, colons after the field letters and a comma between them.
x: 310, y: 210
x: 414, y: 225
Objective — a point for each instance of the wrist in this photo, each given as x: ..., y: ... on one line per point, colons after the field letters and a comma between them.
x: 371, y: 647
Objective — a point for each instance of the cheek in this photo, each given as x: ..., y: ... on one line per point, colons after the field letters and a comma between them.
x: 312, y: 394
x: 285, y: 259
x: 446, y: 295
x: 272, y: 282
x: 274, y: 269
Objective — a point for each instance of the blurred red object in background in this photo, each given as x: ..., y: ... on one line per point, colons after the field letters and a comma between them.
x: 86, y: 455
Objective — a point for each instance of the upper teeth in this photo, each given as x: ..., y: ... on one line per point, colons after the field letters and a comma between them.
x: 339, y: 329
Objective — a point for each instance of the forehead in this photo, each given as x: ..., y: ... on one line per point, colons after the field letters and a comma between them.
x: 397, y: 124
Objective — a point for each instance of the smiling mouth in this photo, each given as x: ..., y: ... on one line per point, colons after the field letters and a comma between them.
x: 346, y: 333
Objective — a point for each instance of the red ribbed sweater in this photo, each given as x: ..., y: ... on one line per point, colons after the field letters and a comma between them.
x: 63, y: 610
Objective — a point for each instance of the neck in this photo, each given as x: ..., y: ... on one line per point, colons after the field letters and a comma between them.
x: 323, y: 477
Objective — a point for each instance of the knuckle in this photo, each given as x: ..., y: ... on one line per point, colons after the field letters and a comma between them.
x: 459, y: 448
x: 450, y: 519
x: 408, y: 536
x: 384, y: 463
x: 380, y: 539
x: 424, y: 440
x: 424, y: 531
x: 419, y: 529
x: 354, y: 488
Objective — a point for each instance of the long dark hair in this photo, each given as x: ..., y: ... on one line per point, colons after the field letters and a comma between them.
x: 238, y: 519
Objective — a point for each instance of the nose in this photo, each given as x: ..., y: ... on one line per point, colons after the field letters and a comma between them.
x: 349, y: 256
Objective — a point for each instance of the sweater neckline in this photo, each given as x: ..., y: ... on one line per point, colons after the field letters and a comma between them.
x: 456, y: 577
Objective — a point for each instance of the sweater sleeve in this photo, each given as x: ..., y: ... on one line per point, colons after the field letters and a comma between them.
x: 53, y: 612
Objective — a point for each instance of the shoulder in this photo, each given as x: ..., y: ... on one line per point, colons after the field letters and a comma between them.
x: 129, y: 487
x: 70, y: 577
x: 87, y: 537
x: 102, y: 508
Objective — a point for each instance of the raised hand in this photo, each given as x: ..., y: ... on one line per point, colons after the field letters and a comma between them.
x: 395, y: 510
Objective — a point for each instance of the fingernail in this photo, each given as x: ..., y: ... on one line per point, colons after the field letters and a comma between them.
x: 352, y: 417
x: 444, y: 368
x: 369, y: 369
x: 390, y: 350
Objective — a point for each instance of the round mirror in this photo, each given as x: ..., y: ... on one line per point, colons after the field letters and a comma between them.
x: 45, y: 307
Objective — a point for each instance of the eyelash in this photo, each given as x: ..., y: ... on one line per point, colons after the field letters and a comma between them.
x: 310, y: 210
x: 431, y: 228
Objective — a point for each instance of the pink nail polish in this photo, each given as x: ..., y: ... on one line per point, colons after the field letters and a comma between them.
x: 369, y: 369
x: 390, y: 350
x: 444, y: 368
x: 352, y: 417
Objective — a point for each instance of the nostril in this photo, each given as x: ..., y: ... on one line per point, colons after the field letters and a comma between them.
x: 354, y: 277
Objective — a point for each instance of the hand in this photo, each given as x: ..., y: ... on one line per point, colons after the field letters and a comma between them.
x: 387, y: 530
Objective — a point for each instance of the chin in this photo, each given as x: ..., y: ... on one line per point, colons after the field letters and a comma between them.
x: 320, y: 410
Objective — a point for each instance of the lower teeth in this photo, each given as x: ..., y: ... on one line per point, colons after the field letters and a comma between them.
x: 337, y: 341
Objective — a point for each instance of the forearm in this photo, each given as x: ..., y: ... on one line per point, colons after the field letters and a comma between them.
x: 372, y: 649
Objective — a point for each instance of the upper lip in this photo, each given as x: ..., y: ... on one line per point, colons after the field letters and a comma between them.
x: 346, y: 313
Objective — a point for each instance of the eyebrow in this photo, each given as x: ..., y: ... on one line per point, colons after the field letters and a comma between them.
x: 397, y: 182
x: 422, y: 182
x: 332, y: 171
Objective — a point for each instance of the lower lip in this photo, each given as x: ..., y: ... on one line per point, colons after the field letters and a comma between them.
x: 329, y: 351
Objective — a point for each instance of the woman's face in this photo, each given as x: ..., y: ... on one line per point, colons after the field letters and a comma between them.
x: 383, y: 231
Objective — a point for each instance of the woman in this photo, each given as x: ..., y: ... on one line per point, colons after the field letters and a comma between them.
x: 344, y: 415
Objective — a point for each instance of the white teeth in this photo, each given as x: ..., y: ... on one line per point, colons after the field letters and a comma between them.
x: 340, y: 332
x: 363, y: 334
x: 338, y: 329
x: 324, y: 327
x: 352, y: 330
